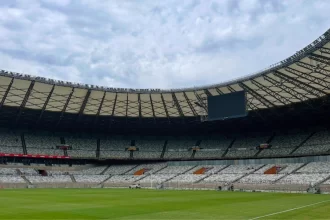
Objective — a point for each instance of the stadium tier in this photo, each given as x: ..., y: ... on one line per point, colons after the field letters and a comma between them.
x: 296, y: 143
x: 295, y: 175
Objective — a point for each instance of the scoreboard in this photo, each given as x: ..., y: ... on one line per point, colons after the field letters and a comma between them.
x: 231, y: 105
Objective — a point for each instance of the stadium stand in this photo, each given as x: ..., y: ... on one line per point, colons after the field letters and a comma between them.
x: 175, y: 169
x: 149, y: 149
x: 318, y: 143
x: 28, y: 171
x: 50, y: 179
x: 282, y: 168
x: 222, y: 178
x: 245, y: 146
x: 213, y: 148
x: 81, y: 147
x: 315, y: 167
x: 119, y: 169
x: 241, y: 153
x: 209, y: 153
x: 147, y: 168
x: 42, y: 144
x: 261, y: 178
x: 276, y: 151
x: 156, y: 178
x: 90, y: 171
x: 90, y: 178
x: 11, y: 179
x: 207, y: 169
x: 114, y: 148
x: 8, y: 171
x: 284, y: 143
x: 10, y: 143
x: 179, y: 149
x: 124, y: 179
x: 243, y: 169
x: 187, y: 178
x: 304, y: 179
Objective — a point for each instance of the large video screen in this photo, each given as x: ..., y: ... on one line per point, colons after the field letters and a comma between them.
x: 231, y: 105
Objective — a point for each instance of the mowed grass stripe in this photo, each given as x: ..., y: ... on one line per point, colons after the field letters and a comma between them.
x: 154, y: 204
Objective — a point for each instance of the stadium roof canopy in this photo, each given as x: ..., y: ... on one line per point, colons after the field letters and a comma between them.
x: 303, y: 76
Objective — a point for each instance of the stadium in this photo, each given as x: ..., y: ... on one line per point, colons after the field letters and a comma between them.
x: 95, y: 143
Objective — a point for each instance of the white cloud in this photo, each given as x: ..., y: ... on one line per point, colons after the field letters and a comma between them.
x: 157, y: 44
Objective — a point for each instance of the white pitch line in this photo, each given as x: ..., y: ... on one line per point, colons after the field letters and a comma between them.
x: 289, y: 210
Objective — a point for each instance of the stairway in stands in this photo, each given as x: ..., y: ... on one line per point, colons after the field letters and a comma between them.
x: 198, y: 143
x: 322, y: 181
x: 302, y: 143
x: 164, y: 149
x: 229, y: 146
x: 101, y: 183
x: 189, y: 169
x: 23, y: 144
x: 72, y: 178
x: 131, y: 169
x: 105, y: 170
x: 26, y: 180
x: 161, y: 169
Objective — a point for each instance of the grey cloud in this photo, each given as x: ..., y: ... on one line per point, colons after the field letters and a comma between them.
x: 154, y: 43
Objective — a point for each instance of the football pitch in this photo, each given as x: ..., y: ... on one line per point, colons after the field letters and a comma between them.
x: 158, y: 204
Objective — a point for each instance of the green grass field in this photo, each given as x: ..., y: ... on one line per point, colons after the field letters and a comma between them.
x: 157, y: 204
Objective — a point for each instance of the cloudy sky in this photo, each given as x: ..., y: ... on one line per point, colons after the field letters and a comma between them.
x: 154, y: 44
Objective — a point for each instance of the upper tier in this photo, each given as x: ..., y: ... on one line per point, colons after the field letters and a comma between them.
x: 305, y: 75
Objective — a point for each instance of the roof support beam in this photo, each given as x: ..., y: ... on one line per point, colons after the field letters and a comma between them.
x: 318, y: 81
x: 6, y: 93
x: 26, y: 97
x: 83, y: 105
x: 325, y: 50
x: 152, y: 107
x: 319, y: 58
x: 165, y: 108
x: 207, y: 92
x: 99, y: 109
x: 301, y: 85
x: 252, y: 106
x: 176, y: 102
x: 190, y: 105
x: 249, y: 104
x: 113, y: 110
x: 260, y: 98
x: 289, y: 90
x: 114, y: 105
x: 45, y: 104
x: 271, y: 93
x: 231, y: 89
x: 139, y: 101
x: 126, y: 104
x: 314, y: 69
x: 219, y: 91
x: 200, y: 102
x: 65, y: 106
